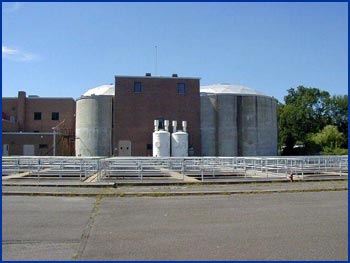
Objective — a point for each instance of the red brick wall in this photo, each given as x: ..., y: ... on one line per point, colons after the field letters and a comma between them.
x: 134, y: 113
x: 23, y: 109
x: 8, y: 126
x: 16, y: 142
x: 65, y: 107
x: 9, y: 107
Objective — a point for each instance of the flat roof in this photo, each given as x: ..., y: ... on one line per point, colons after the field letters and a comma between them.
x: 31, y: 98
x: 154, y: 77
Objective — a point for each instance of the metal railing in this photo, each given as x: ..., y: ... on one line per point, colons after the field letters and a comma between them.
x: 49, y: 167
x: 172, y: 168
x: 221, y: 167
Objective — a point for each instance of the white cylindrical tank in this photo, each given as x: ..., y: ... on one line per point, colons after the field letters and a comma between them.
x: 179, y: 144
x: 161, y: 144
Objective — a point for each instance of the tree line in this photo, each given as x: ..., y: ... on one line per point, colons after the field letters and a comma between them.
x: 312, y: 122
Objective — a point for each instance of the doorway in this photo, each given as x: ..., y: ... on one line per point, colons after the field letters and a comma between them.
x: 124, y: 148
x: 28, y: 150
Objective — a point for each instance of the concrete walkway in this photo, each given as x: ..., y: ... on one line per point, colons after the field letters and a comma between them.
x: 175, y: 190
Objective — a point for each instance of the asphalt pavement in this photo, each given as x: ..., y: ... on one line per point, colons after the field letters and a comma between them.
x: 274, y: 226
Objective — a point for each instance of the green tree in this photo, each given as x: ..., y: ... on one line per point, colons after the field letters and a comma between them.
x: 306, y: 110
x: 339, y: 115
x: 330, y: 140
x: 329, y: 136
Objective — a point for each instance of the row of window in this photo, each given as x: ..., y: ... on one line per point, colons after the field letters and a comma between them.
x: 55, y: 116
x: 181, y: 87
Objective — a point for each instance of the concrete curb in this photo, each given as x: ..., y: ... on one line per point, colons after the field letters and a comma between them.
x: 113, y: 185
x: 165, y: 194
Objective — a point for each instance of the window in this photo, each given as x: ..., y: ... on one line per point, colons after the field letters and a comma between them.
x: 43, y: 146
x: 149, y: 146
x: 181, y: 88
x: 137, y: 87
x: 55, y: 116
x: 37, y: 116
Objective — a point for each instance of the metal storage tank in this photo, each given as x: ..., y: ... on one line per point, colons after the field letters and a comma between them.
x: 179, y: 141
x: 161, y: 140
x: 237, y: 121
x: 94, y: 122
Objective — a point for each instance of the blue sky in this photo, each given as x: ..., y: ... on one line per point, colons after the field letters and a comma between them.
x: 64, y: 49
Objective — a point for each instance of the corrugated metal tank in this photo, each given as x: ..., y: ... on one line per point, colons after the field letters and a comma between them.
x: 93, y: 125
x: 161, y: 144
x: 237, y: 121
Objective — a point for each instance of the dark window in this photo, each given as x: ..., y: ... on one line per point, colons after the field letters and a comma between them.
x: 55, y: 116
x: 137, y: 87
x: 43, y: 146
x: 181, y: 88
x: 36, y: 131
x: 149, y: 146
x: 37, y: 116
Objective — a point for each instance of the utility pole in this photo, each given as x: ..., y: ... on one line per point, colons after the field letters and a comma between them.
x: 156, y: 62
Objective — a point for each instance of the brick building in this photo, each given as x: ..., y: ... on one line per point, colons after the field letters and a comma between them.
x: 28, y: 122
x: 118, y: 120
x: 139, y: 101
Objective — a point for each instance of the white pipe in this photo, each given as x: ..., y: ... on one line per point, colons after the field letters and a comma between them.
x: 166, y: 125
x: 184, y: 126
x: 174, y: 126
x: 156, y: 124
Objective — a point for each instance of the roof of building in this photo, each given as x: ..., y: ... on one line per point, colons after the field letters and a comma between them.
x: 101, y: 90
x: 155, y: 77
x: 225, y: 88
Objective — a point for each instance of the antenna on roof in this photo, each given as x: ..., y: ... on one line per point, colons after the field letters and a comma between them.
x: 155, y: 62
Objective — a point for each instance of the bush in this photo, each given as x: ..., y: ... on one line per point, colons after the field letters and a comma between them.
x: 334, y: 151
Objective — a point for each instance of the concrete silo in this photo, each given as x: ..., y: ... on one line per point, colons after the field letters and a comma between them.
x: 226, y: 125
x: 237, y: 121
x: 94, y: 122
x: 208, y: 124
x: 267, y: 126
